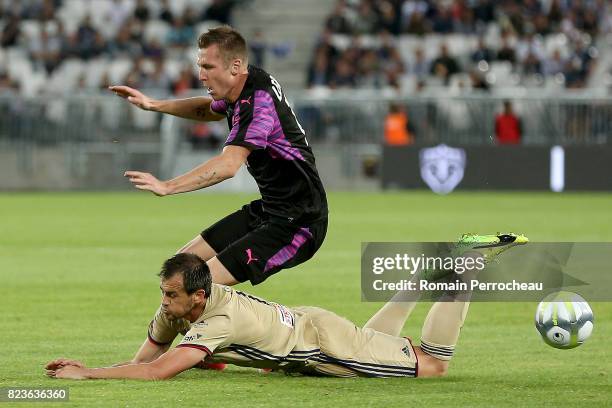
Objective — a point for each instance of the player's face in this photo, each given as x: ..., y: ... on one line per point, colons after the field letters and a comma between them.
x: 175, y: 302
x: 216, y: 74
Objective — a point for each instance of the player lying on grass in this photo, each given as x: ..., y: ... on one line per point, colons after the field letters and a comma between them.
x: 220, y: 324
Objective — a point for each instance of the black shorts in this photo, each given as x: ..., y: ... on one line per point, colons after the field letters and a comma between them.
x: 253, y: 245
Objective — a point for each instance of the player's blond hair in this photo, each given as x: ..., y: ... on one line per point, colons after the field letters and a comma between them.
x: 231, y: 43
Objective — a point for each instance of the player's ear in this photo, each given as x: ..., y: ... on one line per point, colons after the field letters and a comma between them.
x: 200, y: 295
x: 236, y: 66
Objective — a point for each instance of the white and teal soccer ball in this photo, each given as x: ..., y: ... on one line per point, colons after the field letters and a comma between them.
x: 564, y: 319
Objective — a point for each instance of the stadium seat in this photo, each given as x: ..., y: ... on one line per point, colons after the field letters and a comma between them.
x: 34, y: 83
x: 143, y: 120
x: 95, y: 70
x: 500, y: 73
x: 173, y: 68
x: 30, y: 29
x: 409, y: 82
x: 66, y: 76
x: 118, y: 69
x: 72, y: 13
x: 177, y: 6
x: 459, y: 82
x: 493, y: 35
x: 156, y: 29
x: 18, y: 67
x: 460, y: 44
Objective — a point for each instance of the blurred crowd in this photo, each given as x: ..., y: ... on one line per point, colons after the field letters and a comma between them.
x: 148, y: 33
x: 380, y: 43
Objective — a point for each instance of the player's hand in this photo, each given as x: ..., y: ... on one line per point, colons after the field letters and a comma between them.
x: 147, y: 181
x: 134, y: 96
x: 63, y: 362
x: 69, y: 372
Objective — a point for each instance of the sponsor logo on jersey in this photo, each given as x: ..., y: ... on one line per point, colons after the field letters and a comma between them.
x: 193, y: 337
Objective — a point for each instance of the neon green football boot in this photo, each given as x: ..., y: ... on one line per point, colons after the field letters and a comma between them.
x: 489, y: 246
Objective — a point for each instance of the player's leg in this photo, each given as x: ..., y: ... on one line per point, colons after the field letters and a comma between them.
x: 219, y: 273
x: 347, y: 350
x: 199, y: 247
x: 391, y: 318
x: 393, y: 315
x: 446, y: 317
x: 222, y: 234
x: 440, y: 333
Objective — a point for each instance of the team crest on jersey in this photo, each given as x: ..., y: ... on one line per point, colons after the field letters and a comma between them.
x: 442, y: 167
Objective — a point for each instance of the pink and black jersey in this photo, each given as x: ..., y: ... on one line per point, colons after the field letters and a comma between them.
x: 281, y: 161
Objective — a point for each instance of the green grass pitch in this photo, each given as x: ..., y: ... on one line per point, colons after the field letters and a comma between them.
x: 78, y: 280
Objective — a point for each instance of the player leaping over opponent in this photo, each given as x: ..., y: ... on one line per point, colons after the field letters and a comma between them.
x: 221, y: 324
x: 288, y: 224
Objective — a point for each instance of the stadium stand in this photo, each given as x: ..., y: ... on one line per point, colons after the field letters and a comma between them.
x: 410, y: 45
x: 49, y: 46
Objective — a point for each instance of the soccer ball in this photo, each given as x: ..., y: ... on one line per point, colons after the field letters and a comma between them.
x: 564, y: 320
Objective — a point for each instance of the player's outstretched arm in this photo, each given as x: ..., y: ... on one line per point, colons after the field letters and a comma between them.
x: 196, y: 108
x: 166, y: 366
x: 214, y: 171
x: 148, y: 352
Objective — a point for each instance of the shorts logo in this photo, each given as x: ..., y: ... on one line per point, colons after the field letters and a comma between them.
x: 250, y: 257
x: 247, y: 100
x: 406, y: 351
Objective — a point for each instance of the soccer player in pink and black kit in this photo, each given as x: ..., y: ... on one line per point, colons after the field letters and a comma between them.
x: 288, y: 224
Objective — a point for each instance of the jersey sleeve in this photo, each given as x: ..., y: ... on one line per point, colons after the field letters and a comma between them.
x: 161, y: 332
x: 208, y: 335
x: 219, y: 106
x: 253, y: 121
